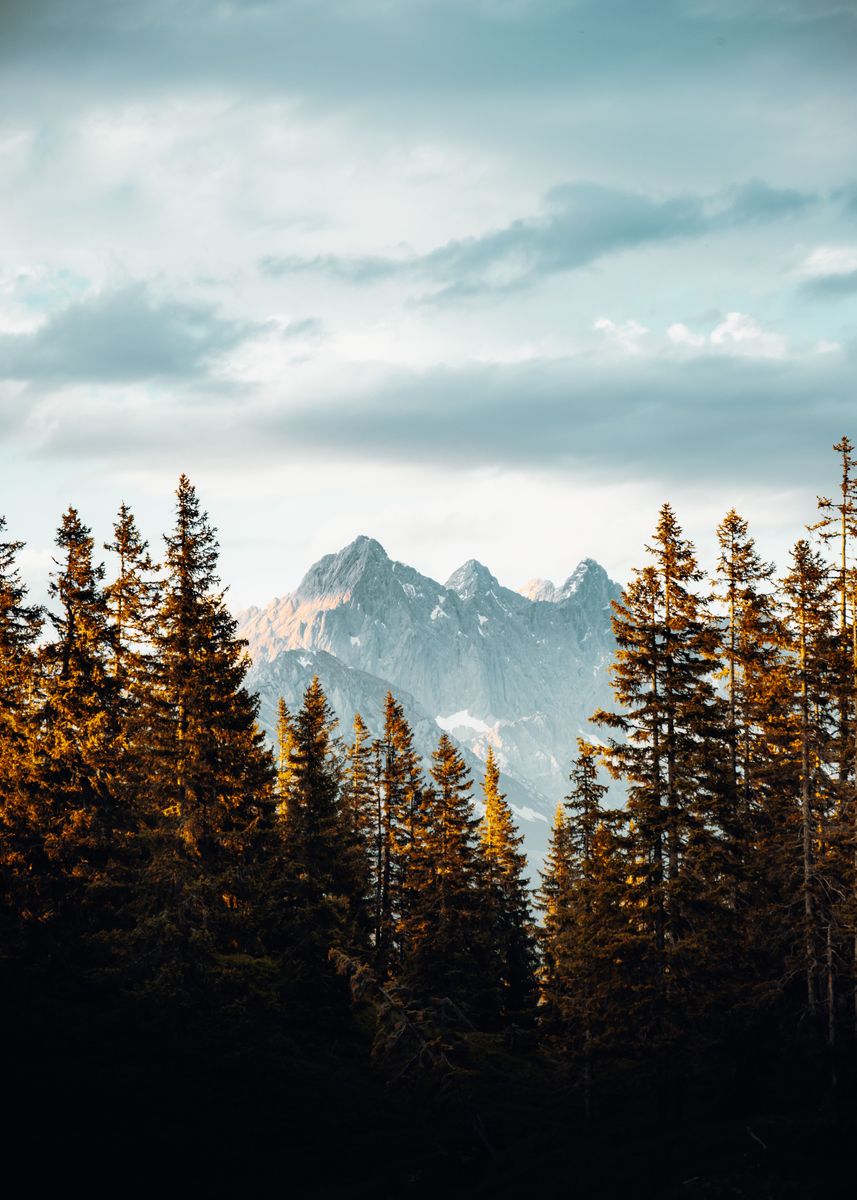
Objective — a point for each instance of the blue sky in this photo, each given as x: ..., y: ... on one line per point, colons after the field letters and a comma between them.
x: 484, y: 278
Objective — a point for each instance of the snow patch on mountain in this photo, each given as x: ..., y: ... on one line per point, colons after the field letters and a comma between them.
x: 463, y: 720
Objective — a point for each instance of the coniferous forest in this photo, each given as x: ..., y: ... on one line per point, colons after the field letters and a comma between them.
x: 320, y: 968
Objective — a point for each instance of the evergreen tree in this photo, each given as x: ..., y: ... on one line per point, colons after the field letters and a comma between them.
x: 401, y: 798
x: 446, y: 945
x: 837, y: 526
x: 132, y: 601
x: 285, y: 745
x: 362, y: 828
x: 324, y: 840
x: 808, y: 596
x: 554, y: 899
x: 507, y: 902
x: 582, y: 893
x: 750, y: 655
x: 312, y: 800
x: 748, y: 651
x: 209, y: 802
x: 20, y: 626
x: 82, y: 818
x: 670, y: 756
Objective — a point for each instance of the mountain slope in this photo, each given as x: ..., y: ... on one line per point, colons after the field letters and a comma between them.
x: 351, y: 690
x: 485, y: 663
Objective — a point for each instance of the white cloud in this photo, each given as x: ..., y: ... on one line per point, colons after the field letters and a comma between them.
x: 682, y: 336
x: 628, y: 335
x: 830, y: 260
x: 737, y: 334
x: 742, y: 334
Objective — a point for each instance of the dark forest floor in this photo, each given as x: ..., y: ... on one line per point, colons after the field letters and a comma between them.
x: 125, y: 1117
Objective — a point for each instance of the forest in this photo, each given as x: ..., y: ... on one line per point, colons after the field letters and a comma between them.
x: 320, y: 966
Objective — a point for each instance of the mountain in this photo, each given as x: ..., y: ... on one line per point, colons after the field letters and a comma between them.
x: 519, y: 671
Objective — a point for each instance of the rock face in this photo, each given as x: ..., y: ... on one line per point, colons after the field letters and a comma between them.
x: 519, y: 671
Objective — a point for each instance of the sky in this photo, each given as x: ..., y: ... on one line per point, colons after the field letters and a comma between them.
x: 478, y: 278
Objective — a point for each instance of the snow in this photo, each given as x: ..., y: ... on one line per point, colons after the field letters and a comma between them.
x: 529, y: 814
x: 482, y: 619
x: 355, y: 641
x: 437, y: 611
x: 462, y: 720
x: 305, y: 661
x: 409, y: 590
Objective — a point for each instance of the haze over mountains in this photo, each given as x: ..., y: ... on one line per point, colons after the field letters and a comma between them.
x: 521, y: 671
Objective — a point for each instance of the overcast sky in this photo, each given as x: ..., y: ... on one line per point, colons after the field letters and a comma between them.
x: 480, y: 278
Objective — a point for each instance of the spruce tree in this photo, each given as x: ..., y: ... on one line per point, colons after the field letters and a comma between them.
x: 402, y: 789
x: 361, y: 827
x: 808, y: 597
x: 582, y: 893
x: 312, y: 799
x: 671, y: 756
x: 20, y: 626
x: 837, y: 527
x: 209, y: 800
x: 326, y: 857
x: 83, y: 817
x: 750, y: 658
x: 445, y: 936
x: 132, y: 601
x: 507, y: 901
x: 285, y: 743
x: 554, y: 899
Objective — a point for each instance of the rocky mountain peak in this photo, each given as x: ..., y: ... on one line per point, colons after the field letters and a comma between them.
x: 588, y: 581
x: 472, y: 579
x: 539, y: 589
x: 337, y: 575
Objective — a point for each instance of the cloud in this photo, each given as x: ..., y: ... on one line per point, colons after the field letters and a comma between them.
x: 737, y: 334
x: 744, y: 335
x: 680, y: 335
x: 627, y: 335
x: 123, y: 335
x: 581, y: 223
x: 699, y: 417
x: 830, y: 271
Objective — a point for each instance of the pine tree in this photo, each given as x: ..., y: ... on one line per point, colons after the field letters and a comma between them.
x: 671, y: 759
x: 751, y: 660
x: 837, y: 526
x: 808, y: 596
x: 507, y: 901
x: 20, y: 626
x: 747, y: 652
x: 323, y: 885
x: 82, y: 818
x: 446, y: 945
x: 583, y: 888
x: 209, y: 801
x: 285, y: 744
x: 401, y: 798
x: 132, y: 601
x: 362, y: 828
x: 554, y: 899
x: 313, y: 792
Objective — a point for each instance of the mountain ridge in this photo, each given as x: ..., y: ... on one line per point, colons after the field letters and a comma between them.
x: 487, y: 664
